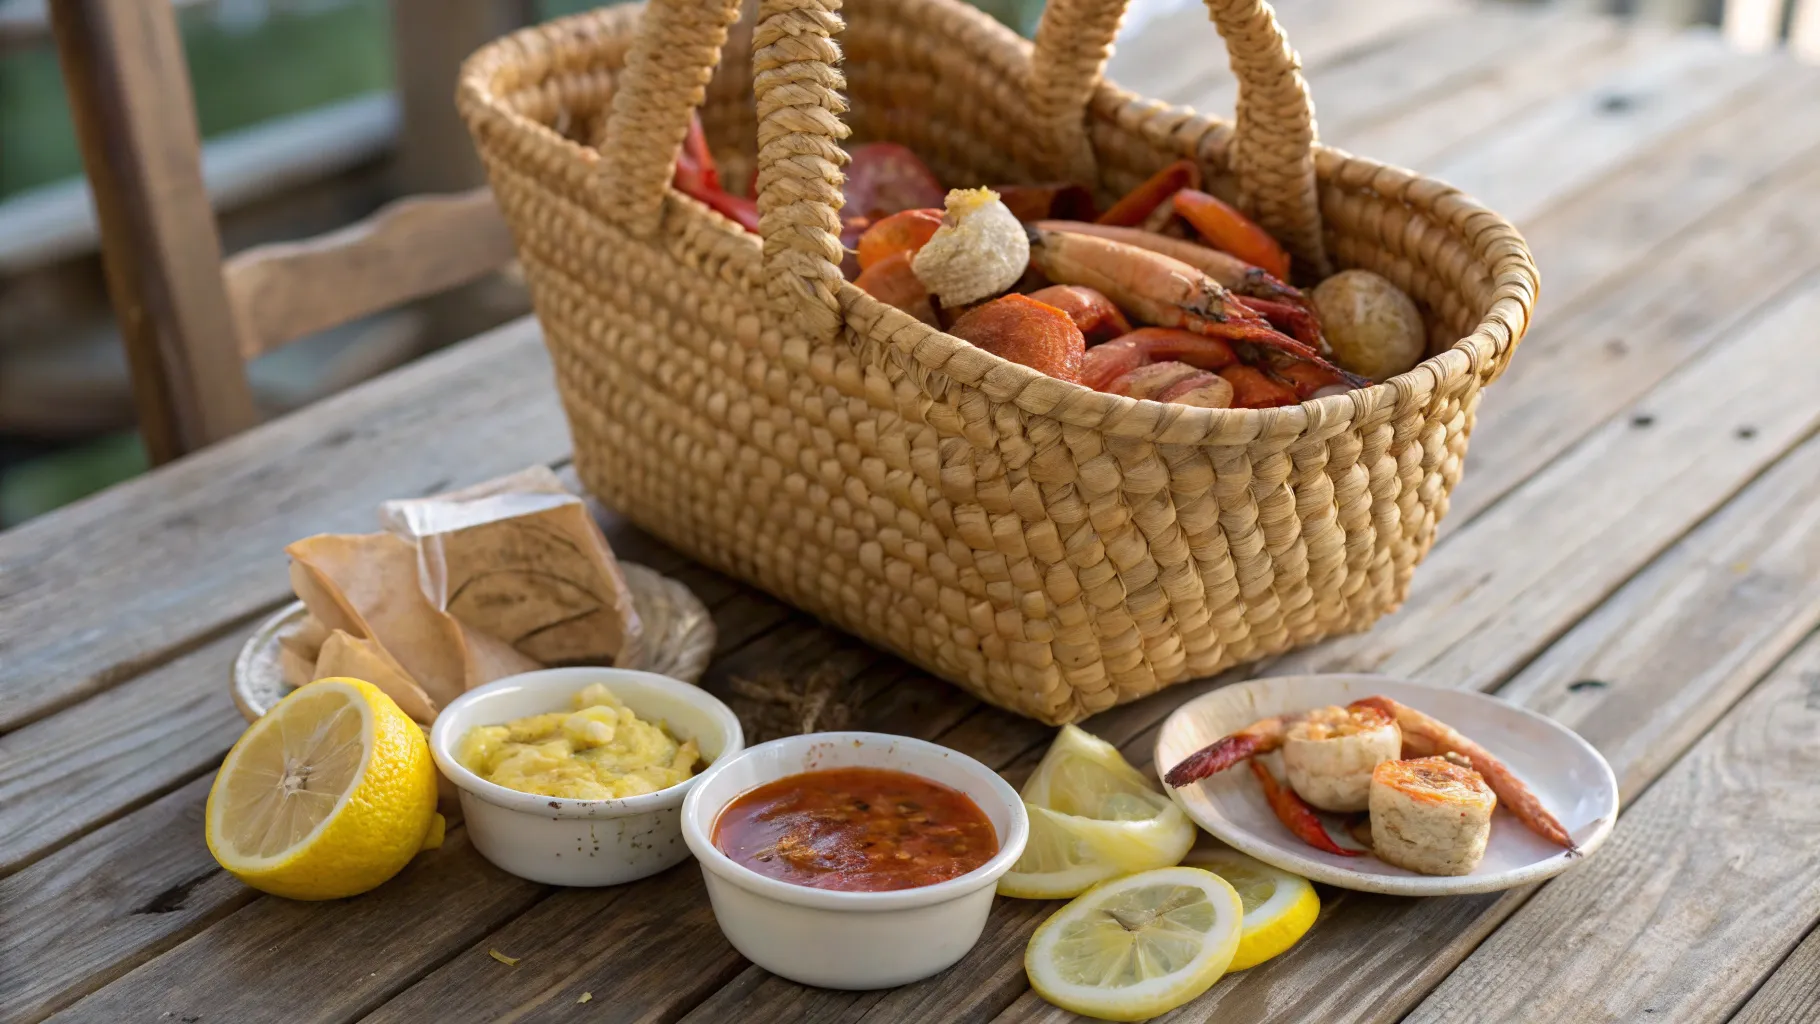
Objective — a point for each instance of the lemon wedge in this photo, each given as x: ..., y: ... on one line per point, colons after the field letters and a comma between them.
x: 1137, y: 946
x: 328, y: 795
x: 1092, y: 817
x: 1279, y: 907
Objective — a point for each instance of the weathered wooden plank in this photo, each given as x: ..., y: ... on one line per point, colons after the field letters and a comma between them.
x: 1531, y: 565
x: 1617, y: 338
x: 290, y: 961
x: 1640, y: 678
x: 409, y: 249
x: 112, y: 939
x: 1178, y: 56
x: 78, y: 770
x: 1706, y: 885
x: 1682, y: 182
x: 138, y: 574
x: 129, y: 94
x: 1513, y: 83
x: 1492, y: 555
x: 343, y: 937
x: 1429, y: 60
x: 72, y: 924
x: 1579, y: 138
x: 1793, y: 992
x: 86, y: 765
x: 633, y: 946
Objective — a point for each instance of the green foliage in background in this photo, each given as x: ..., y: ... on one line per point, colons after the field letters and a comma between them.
x: 301, y: 54
x: 292, y: 60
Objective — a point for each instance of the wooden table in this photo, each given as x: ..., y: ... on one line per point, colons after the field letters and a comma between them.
x: 1635, y: 551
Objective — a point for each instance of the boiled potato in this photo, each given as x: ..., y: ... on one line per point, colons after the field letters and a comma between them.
x: 1374, y: 328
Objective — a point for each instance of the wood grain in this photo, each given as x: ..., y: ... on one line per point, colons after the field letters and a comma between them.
x: 1413, y: 68
x: 89, y: 764
x: 1530, y: 566
x: 1706, y: 885
x: 1509, y: 554
x: 1790, y: 994
x: 70, y: 925
x: 76, y: 771
x: 1575, y: 55
x: 129, y: 91
x: 1641, y: 677
x: 1150, y: 62
x: 291, y: 962
x: 152, y: 754
x: 629, y: 961
x: 411, y: 248
x: 1574, y: 141
x: 114, y: 585
x: 1654, y: 265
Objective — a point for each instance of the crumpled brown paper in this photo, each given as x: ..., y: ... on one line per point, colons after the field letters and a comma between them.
x: 464, y: 588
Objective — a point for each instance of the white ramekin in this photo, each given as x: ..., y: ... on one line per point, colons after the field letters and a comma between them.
x: 851, y: 940
x: 580, y: 842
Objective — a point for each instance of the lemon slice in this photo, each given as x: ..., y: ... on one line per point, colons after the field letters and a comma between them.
x: 1092, y: 817
x: 328, y: 795
x: 1084, y: 775
x: 1137, y: 946
x: 1279, y: 907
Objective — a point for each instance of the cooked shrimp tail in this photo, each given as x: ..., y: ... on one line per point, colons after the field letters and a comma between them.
x: 1295, y: 815
x: 1426, y: 736
x: 1257, y: 738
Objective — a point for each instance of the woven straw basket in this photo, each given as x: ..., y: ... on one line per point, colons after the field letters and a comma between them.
x: 1053, y: 549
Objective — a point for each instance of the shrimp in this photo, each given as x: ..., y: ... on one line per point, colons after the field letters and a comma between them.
x: 1426, y: 736
x: 1283, y: 305
x: 1166, y: 292
x: 1260, y: 737
x: 1329, y: 752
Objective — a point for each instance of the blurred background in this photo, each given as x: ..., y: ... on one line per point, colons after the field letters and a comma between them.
x: 313, y: 117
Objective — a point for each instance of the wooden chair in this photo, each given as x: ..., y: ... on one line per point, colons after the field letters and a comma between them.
x: 189, y: 320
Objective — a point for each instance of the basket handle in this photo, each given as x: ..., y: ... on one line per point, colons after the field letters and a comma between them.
x: 1272, y: 149
x: 798, y: 92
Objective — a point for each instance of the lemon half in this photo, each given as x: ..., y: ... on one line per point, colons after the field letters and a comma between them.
x: 1137, y: 946
x: 328, y: 795
x: 1279, y: 907
x: 1092, y: 817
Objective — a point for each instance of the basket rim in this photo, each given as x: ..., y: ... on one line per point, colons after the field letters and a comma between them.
x: 1481, y: 354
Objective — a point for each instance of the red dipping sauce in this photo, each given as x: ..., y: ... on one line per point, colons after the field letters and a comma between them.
x: 856, y: 830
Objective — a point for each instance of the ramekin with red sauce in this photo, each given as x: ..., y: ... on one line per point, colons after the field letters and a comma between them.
x: 853, y: 860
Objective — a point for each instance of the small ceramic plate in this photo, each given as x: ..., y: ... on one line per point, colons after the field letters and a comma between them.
x: 677, y: 642
x: 1571, y: 778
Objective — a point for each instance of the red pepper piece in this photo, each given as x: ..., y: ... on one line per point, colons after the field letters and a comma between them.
x: 1231, y: 231
x: 1139, y: 203
x: 1295, y: 815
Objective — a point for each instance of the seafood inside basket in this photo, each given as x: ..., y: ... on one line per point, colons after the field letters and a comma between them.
x: 1426, y: 792
x: 1171, y: 295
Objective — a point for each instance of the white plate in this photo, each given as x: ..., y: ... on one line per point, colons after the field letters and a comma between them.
x: 1571, y: 778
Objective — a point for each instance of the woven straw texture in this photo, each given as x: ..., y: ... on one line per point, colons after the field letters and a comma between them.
x: 1053, y: 549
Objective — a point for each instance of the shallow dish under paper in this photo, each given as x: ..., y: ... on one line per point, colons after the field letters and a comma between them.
x: 1566, y: 772
x: 678, y: 640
